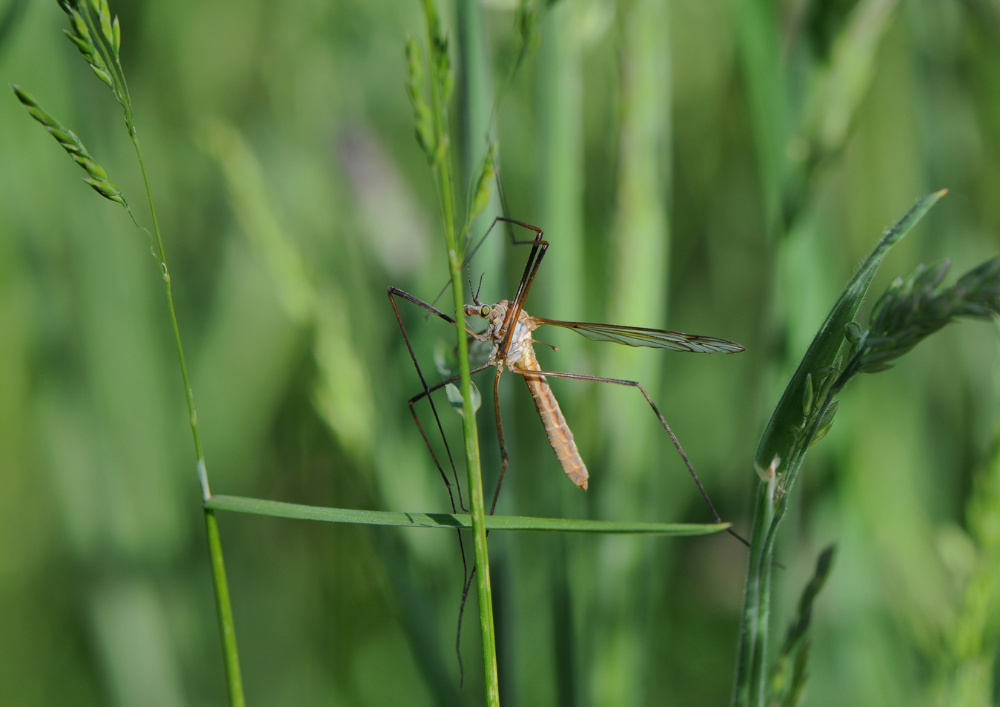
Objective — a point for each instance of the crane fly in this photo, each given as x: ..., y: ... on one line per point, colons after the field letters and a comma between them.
x: 509, y: 336
x: 518, y: 355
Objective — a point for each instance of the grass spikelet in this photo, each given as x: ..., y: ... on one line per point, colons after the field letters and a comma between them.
x: 97, y: 176
x: 914, y: 308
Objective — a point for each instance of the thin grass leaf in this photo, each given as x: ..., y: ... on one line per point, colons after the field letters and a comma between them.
x: 782, y: 429
x: 98, y: 38
x: 755, y: 25
x: 782, y: 449
x: 840, y: 86
x: 451, y: 521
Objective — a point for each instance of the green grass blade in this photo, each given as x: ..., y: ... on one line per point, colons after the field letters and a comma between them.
x: 783, y: 426
x: 755, y: 24
x: 98, y: 37
x: 279, y: 509
x: 796, y: 421
x: 224, y: 607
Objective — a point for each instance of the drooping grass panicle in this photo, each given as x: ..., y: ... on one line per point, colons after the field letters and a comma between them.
x: 909, y: 311
x: 97, y: 176
x: 785, y: 428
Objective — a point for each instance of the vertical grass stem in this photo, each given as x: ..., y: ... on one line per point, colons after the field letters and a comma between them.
x: 224, y: 610
x: 440, y: 87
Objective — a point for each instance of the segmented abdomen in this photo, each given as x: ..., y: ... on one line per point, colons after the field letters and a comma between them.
x: 556, y: 428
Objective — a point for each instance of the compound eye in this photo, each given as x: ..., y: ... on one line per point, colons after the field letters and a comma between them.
x: 484, y: 311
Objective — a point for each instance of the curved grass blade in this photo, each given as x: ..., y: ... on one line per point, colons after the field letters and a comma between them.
x: 784, y: 425
x: 798, y: 420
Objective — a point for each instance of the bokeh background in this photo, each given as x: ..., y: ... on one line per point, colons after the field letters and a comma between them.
x: 717, y: 168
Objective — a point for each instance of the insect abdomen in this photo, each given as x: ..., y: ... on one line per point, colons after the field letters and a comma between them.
x: 558, y: 432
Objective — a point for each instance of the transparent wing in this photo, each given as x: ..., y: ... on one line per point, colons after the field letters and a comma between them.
x: 654, y: 338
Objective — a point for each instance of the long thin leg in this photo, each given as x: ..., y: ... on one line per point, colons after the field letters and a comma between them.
x: 394, y: 292
x: 419, y: 302
x: 538, y: 248
x: 496, y: 494
x: 659, y: 415
x: 427, y: 390
x: 503, y: 445
x: 468, y: 575
x: 536, y: 241
x: 426, y: 394
x: 470, y: 253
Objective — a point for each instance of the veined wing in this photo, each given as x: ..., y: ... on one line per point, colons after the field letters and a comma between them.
x: 654, y: 338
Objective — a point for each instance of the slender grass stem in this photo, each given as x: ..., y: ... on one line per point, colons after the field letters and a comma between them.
x: 908, y: 312
x: 98, y: 38
x: 224, y: 609
x: 168, y: 285
x: 440, y: 88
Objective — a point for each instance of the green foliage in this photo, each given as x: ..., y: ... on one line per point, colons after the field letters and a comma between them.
x: 98, y: 38
x: 909, y: 311
x: 796, y: 420
x: 709, y: 167
x: 450, y: 521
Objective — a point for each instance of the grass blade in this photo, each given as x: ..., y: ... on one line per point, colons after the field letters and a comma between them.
x: 797, y: 421
x: 784, y: 425
x: 451, y: 521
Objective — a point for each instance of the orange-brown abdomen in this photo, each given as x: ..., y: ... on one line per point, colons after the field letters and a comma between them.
x: 556, y: 428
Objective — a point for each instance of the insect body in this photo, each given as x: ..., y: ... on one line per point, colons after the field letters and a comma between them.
x: 520, y: 358
x: 509, y: 335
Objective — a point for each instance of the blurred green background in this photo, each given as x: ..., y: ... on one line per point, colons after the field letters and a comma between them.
x: 717, y: 168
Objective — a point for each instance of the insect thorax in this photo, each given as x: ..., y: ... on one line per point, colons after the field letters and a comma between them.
x: 520, y: 340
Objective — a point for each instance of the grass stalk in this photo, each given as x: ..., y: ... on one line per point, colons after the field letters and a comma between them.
x: 224, y: 612
x: 909, y: 311
x: 98, y: 38
x: 223, y: 607
x: 440, y: 85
